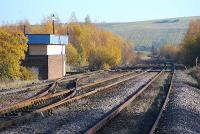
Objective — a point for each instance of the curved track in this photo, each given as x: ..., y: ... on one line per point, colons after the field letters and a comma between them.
x: 48, y: 100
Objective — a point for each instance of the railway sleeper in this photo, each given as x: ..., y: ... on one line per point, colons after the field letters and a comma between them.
x: 35, y: 105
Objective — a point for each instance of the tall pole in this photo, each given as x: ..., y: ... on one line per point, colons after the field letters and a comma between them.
x: 24, y: 29
x: 53, y: 28
x: 53, y: 19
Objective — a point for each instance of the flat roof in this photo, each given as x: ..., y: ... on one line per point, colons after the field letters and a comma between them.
x: 47, y: 39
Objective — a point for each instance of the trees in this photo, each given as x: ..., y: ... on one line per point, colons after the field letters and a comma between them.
x: 102, y: 58
x: 88, y: 20
x: 189, y: 48
x: 188, y: 51
x: 18, y: 27
x: 99, y: 48
x: 169, y: 51
x: 71, y: 55
x: 12, y: 51
x: 13, y: 46
x: 128, y: 55
x: 87, y: 42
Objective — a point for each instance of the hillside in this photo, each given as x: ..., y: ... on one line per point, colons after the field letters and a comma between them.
x: 144, y: 34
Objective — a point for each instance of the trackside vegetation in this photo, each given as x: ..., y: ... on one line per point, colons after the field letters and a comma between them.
x: 88, y: 46
x: 188, y: 51
x: 13, y: 46
x: 97, y: 48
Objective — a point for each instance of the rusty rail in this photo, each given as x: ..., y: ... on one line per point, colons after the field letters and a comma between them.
x: 106, y: 80
x: 45, y: 95
x: 61, y: 103
x: 163, y: 106
x: 117, y: 110
x: 46, y: 83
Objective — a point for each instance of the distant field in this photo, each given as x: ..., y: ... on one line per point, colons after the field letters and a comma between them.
x: 144, y: 34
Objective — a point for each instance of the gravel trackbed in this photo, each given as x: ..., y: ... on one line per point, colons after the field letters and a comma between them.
x: 182, y: 115
x: 82, y: 114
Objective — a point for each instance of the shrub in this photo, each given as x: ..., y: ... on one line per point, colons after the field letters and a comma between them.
x: 169, y: 52
x: 101, y: 58
x: 71, y: 55
x: 9, y: 68
x: 27, y: 74
x: 195, y: 73
x: 105, y: 66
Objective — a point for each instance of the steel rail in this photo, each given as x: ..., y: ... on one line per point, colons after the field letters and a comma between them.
x: 117, y: 110
x: 163, y: 106
x: 44, y: 96
x: 106, y: 80
x: 61, y: 103
x: 47, y: 83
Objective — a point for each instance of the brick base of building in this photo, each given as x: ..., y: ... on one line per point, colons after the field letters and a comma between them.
x: 48, y: 66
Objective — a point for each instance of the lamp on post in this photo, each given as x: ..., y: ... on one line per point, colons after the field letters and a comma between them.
x: 53, y: 19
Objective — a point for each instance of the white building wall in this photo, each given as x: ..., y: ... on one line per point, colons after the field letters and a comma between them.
x: 55, y: 49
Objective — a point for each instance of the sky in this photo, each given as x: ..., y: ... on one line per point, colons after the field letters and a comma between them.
x: 34, y: 11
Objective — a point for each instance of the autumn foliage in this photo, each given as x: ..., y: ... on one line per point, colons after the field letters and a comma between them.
x: 88, y: 45
x: 169, y: 51
x: 12, y: 51
x: 99, y: 48
x: 188, y: 52
x: 72, y: 55
x: 190, y: 48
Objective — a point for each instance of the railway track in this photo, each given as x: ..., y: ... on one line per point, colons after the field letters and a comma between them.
x: 108, y: 92
x: 10, y: 98
x: 163, y: 106
x: 46, y: 95
x: 45, y: 85
x: 112, y: 120
x: 46, y: 102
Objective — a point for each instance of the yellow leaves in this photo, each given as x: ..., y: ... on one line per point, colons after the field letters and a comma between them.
x: 27, y: 74
x: 12, y: 51
x: 188, y: 51
x: 71, y: 55
x: 114, y: 52
x: 45, y: 28
x: 193, y: 30
x: 98, y: 47
x: 189, y: 48
x: 9, y: 67
x: 49, y: 26
x: 169, y: 51
x: 102, y: 57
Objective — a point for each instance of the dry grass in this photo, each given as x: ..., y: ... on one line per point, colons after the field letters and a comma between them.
x: 195, y: 73
x: 4, y: 85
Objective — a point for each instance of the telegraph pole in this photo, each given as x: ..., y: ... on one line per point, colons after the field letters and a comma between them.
x: 24, y: 29
x: 53, y: 19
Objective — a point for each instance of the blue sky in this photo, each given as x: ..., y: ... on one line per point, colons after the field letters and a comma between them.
x: 12, y: 11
